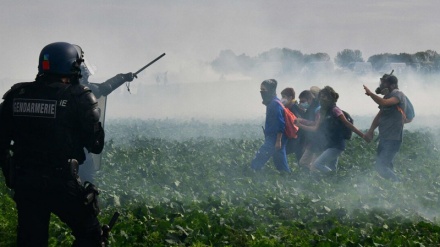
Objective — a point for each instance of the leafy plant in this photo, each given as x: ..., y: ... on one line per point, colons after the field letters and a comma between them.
x: 195, y: 190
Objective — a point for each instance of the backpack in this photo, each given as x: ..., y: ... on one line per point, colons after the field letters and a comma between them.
x: 336, y: 124
x: 408, y: 114
x: 347, y: 132
x: 291, y: 129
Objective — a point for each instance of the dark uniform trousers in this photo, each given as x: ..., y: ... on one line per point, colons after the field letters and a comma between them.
x: 38, y: 195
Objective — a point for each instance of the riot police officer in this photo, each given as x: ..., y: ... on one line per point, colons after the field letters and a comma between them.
x: 46, y: 124
x: 87, y: 170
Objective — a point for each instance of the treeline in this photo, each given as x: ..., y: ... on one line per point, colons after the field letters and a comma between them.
x: 285, y: 61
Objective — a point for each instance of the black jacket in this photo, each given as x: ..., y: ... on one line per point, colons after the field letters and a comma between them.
x: 49, y: 122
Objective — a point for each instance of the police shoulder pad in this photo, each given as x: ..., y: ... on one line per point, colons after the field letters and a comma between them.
x: 80, y: 89
x: 16, y: 88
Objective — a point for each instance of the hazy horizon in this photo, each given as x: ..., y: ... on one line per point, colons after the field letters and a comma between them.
x: 120, y: 37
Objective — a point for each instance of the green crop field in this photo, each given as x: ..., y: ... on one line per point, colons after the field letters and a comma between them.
x: 181, y: 183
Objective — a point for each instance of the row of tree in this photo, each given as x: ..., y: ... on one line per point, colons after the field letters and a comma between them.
x: 290, y: 61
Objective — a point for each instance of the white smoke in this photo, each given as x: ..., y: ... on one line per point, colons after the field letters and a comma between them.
x: 196, y: 91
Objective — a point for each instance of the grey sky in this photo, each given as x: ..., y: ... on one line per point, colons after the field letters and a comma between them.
x: 121, y: 36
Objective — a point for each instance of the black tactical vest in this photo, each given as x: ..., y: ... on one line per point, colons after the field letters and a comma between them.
x: 47, y: 123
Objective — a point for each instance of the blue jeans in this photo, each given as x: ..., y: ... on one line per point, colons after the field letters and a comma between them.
x: 328, y: 160
x: 268, y: 150
x: 386, y: 151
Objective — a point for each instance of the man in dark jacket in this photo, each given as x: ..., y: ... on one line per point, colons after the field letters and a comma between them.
x: 44, y: 126
x: 274, y: 138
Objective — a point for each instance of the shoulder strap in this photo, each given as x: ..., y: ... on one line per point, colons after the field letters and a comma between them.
x: 279, y: 102
x: 401, y: 111
x: 332, y: 111
x: 404, y: 118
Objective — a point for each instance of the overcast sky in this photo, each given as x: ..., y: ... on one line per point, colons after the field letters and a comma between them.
x: 121, y: 36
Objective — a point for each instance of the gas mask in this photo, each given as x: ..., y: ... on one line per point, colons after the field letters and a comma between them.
x: 382, y: 89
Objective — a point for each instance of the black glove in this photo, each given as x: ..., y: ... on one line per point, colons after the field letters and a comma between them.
x: 129, y: 76
x: 91, y: 193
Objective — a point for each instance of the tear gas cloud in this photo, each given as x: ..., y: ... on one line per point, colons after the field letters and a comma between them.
x: 119, y: 37
x: 198, y: 92
x: 195, y: 91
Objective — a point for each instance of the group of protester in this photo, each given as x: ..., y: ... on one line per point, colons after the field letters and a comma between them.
x: 323, y: 128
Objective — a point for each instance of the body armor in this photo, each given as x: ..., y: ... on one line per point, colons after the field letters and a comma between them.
x: 52, y: 122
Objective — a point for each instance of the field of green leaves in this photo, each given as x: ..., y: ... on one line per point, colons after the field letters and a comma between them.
x: 189, y: 184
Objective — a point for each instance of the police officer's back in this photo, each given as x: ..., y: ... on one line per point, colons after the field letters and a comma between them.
x: 47, y: 123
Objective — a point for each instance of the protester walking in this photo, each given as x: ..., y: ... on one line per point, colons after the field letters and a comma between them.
x: 274, y: 138
x: 294, y: 145
x: 335, y: 128
x: 312, y: 140
x: 390, y: 121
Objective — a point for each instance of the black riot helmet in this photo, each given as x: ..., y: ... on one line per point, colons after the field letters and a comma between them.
x: 60, y: 58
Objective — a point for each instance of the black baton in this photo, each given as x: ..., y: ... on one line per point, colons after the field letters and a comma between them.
x: 159, y: 57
